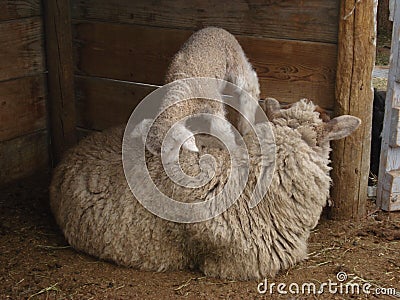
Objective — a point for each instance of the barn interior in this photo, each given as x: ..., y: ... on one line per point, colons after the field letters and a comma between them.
x: 73, y: 67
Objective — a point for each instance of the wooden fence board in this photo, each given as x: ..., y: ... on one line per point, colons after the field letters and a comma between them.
x: 288, y: 70
x: 291, y: 70
x: 14, y: 9
x: 23, y: 106
x: 103, y: 103
x: 23, y: 156
x: 312, y: 20
x: 60, y: 77
x: 21, y: 44
x: 125, y: 52
x: 388, y: 196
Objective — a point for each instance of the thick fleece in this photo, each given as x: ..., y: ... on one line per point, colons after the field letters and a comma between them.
x: 99, y: 215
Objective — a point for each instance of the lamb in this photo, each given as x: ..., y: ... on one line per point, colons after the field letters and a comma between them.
x: 98, y: 214
x: 209, y: 53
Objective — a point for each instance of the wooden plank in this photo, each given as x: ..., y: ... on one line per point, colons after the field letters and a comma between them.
x: 15, y: 9
x: 389, y: 167
x: 390, y: 191
x: 23, y: 106
x: 392, y: 184
x: 21, y: 44
x: 291, y: 70
x: 103, y: 103
x: 391, y: 10
x: 104, y: 50
x: 23, y: 156
x: 354, y: 94
x: 60, y: 76
x: 312, y: 20
x: 288, y: 70
x: 394, y: 139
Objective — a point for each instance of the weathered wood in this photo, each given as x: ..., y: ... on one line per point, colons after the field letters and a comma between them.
x: 394, y: 138
x: 23, y: 156
x: 391, y: 9
x: 21, y: 44
x: 103, y: 103
x: 103, y: 50
x: 388, y: 195
x: 15, y: 9
x: 291, y: 70
x: 60, y: 76
x: 312, y: 20
x: 288, y: 70
x: 354, y: 94
x: 23, y: 106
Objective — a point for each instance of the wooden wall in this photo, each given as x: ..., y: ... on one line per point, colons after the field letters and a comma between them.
x: 23, y: 134
x: 120, y: 44
x: 119, y: 50
x: 292, y: 45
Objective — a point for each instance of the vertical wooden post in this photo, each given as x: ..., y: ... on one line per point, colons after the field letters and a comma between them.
x: 354, y: 96
x: 60, y: 76
x: 388, y: 195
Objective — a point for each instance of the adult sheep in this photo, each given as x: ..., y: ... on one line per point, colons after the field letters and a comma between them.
x: 99, y: 215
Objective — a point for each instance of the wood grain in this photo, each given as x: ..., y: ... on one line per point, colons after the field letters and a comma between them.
x: 23, y: 156
x: 354, y: 96
x: 291, y: 70
x: 288, y: 70
x: 103, y: 103
x: 21, y: 44
x: 23, y: 106
x: 388, y: 196
x: 15, y: 9
x: 394, y: 138
x: 312, y: 20
x: 60, y: 77
x: 125, y: 52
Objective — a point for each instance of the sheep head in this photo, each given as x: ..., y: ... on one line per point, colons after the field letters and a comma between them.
x: 311, y: 122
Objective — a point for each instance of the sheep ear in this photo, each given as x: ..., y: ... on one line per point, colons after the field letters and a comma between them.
x: 271, y: 107
x: 340, y: 127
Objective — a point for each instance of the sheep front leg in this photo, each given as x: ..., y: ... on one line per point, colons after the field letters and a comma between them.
x: 248, y: 108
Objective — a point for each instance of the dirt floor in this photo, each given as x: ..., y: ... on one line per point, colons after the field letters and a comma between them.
x: 36, y: 262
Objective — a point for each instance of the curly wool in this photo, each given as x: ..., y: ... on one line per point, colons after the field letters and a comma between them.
x: 99, y: 215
